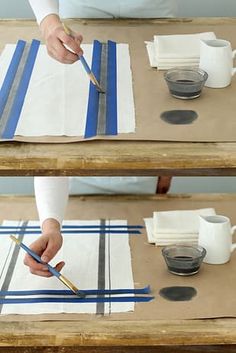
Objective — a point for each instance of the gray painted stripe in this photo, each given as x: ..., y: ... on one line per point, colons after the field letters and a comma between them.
x: 101, y: 126
x: 100, y: 307
x: 5, y: 114
x: 11, y: 267
x: 109, y: 264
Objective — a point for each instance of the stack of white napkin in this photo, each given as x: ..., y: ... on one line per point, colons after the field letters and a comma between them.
x: 167, y: 51
x: 173, y: 227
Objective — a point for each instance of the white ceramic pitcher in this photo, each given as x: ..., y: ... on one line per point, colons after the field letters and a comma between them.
x: 216, y: 58
x: 215, y: 235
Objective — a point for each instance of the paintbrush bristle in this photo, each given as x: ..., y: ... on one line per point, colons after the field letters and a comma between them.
x: 96, y: 83
x: 72, y: 287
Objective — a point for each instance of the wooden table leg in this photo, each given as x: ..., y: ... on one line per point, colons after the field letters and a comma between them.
x: 163, y: 184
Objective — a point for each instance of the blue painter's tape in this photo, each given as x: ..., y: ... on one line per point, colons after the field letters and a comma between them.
x: 75, y: 300
x: 98, y: 231
x: 10, y: 75
x: 111, y: 95
x: 15, y: 112
x: 93, y: 100
x: 144, y: 290
x: 81, y: 227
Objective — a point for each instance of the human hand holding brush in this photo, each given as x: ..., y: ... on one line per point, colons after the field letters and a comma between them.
x: 46, y: 246
x: 51, y: 269
x: 58, y: 41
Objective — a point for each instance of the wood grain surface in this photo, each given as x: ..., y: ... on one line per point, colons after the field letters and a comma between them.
x: 90, y: 334
x: 114, y: 157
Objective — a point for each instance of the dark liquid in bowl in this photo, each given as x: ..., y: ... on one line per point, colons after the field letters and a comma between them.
x: 187, y: 267
x: 187, y: 94
x: 185, y: 81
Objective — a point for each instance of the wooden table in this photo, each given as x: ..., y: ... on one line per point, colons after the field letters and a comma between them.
x: 112, y: 334
x: 114, y: 157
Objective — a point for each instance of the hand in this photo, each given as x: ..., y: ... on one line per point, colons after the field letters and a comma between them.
x: 56, y: 39
x: 46, y: 246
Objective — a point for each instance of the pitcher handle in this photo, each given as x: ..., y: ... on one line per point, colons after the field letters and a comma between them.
x: 233, y: 56
x: 233, y: 229
x: 233, y: 246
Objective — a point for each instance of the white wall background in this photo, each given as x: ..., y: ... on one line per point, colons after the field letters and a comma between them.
x: 186, y: 8
x: 24, y: 185
x: 192, y: 8
x: 206, y: 8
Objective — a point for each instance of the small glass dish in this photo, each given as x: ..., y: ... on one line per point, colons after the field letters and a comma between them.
x: 185, y: 83
x: 183, y: 260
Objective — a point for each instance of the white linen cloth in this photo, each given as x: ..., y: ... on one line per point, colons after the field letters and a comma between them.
x: 81, y: 255
x: 179, y: 226
x: 57, y: 96
x: 167, y: 51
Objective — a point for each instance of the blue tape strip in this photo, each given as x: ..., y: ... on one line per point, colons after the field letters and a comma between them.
x: 14, y: 115
x: 10, y: 75
x: 75, y: 300
x: 144, y: 290
x: 93, y: 100
x: 6, y: 232
x: 111, y: 95
x: 81, y: 227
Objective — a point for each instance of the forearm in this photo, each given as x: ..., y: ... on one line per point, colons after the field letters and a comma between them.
x: 43, y: 8
x: 51, y: 195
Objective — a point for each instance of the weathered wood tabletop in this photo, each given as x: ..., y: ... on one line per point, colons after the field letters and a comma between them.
x: 116, y: 333
x: 115, y: 157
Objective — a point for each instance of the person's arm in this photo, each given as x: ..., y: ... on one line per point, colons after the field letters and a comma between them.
x: 51, y: 195
x: 43, y: 8
x: 47, y: 15
x: 51, y: 198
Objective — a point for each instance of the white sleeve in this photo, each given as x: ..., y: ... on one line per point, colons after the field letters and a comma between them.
x: 51, y: 195
x: 42, y: 8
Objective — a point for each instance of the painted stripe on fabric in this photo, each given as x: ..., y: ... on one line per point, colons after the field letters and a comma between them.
x: 12, y: 82
x: 109, y: 268
x: 16, y: 108
x: 101, y: 128
x: 93, y: 100
x: 100, y: 309
x: 10, y: 75
x: 111, y: 112
x: 12, y: 264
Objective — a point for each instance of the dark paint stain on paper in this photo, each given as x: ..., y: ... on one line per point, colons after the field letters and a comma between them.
x: 179, y: 117
x: 178, y: 293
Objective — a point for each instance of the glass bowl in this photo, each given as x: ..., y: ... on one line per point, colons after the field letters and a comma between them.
x: 185, y: 83
x: 183, y: 260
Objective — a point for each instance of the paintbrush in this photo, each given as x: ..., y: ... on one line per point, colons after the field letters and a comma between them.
x: 53, y: 271
x: 85, y: 64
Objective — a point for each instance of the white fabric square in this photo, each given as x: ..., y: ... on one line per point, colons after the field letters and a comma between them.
x: 81, y: 255
x: 178, y: 226
x: 167, y: 51
x: 57, y: 97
